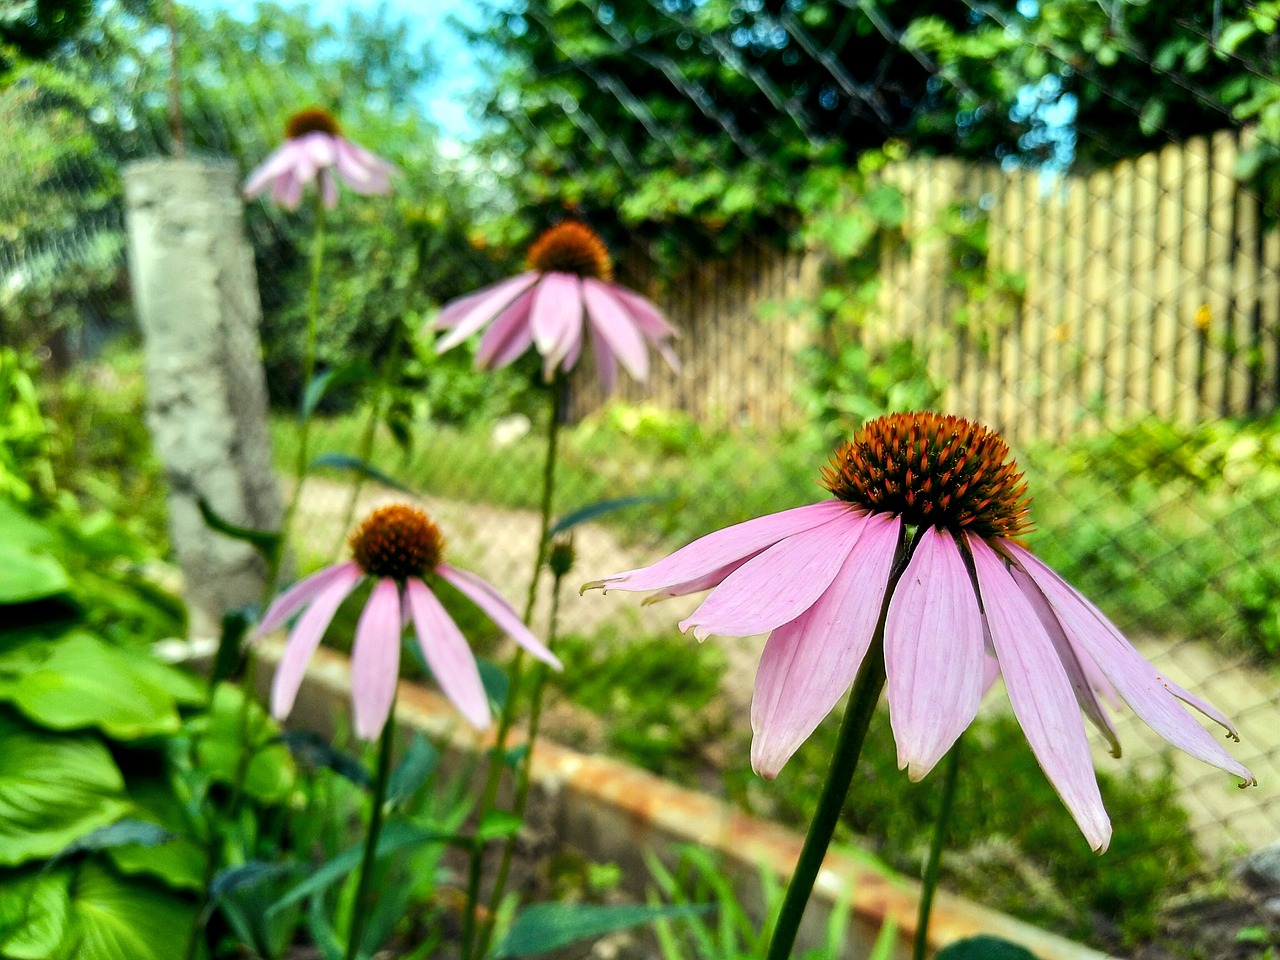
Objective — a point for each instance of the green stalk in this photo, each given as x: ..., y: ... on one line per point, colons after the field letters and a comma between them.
x: 559, y: 387
x: 853, y: 732
x: 526, y: 768
x: 366, y: 896
x: 934, y: 863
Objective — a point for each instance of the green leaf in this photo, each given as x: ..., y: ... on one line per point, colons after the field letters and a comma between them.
x: 310, y: 748
x: 497, y: 825
x: 412, y: 772
x: 121, y: 833
x: 543, y: 927
x: 33, y: 913
x: 343, y: 461
x: 113, y: 919
x: 984, y: 948
x: 594, y: 510
x: 249, y: 875
x: 180, y: 862
x: 395, y: 836
x: 53, y: 791
x: 225, y: 731
x: 235, y: 625
x: 355, y: 371
x: 266, y: 542
x: 87, y: 683
x: 30, y: 576
x: 497, y: 686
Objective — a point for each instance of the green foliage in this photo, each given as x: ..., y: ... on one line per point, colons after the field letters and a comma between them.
x: 1012, y: 844
x: 543, y: 927
x: 25, y: 468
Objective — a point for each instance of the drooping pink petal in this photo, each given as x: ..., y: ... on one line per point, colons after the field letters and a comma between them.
x: 809, y: 663
x: 319, y: 147
x: 298, y: 595
x: 646, y: 314
x: 495, y: 607
x: 328, y: 189
x: 556, y: 317
x: 606, y: 363
x: 375, y: 659
x: 1072, y: 660
x: 455, y: 310
x: 933, y: 653
x: 612, y: 322
x: 365, y: 172
x: 1040, y: 693
x: 1136, y: 679
x: 1206, y: 708
x: 447, y: 654
x: 715, y: 550
x: 279, y: 163
x: 779, y: 584
x: 484, y: 309
x: 286, y: 191
x: 990, y: 673
x: 508, y: 337
x: 698, y: 584
x: 306, y: 636
x: 574, y: 353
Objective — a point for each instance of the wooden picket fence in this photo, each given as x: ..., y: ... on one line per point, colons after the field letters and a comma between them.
x: 1148, y: 288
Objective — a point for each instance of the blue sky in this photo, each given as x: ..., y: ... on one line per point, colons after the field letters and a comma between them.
x: 460, y: 74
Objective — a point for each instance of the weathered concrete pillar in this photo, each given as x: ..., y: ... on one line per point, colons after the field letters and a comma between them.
x: 196, y: 294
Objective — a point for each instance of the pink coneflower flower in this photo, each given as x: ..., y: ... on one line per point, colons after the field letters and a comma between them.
x: 313, y: 149
x: 567, y: 293
x: 820, y: 577
x: 400, y: 548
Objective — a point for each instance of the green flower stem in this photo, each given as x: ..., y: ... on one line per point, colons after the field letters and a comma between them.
x: 366, y: 896
x: 934, y: 863
x: 497, y: 757
x: 853, y: 732
x: 524, y: 777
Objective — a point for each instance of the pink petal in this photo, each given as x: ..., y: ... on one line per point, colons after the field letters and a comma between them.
x: 780, y: 583
x: 483, y: 309
x: 375, y: 659
x: 612, y: 322
x: 319, y: 148
x: 305, y: 638
x: 447, y: 654
x: 556, y: 318
x: 933, y: 653
x: 365, y: 172
x: 328, y: 189
x: 1136, y: 679
x: 1072, y: 660
x: 298, y: 595
x: 575, y: 353
x: 455, y: 310
x: 495, y: 607
x: 809, y: 663
x: 698, y: 584
x: 279, y: 163
x: 1206, y: 708
x: 723, y: 547
x: 287, y: 190
x: 606, y: 363
x: 508, y: 337
x: 645, y: 313
x: 1040, y: 692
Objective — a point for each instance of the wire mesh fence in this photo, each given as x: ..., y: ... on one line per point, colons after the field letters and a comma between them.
x: 1107, y: 307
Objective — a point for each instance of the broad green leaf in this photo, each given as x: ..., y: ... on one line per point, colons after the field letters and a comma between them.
x: 395, y: 836
x: 343, y: 461
x: 33, y: 913
x: 496, y: 825
x: 355, y: 371
x: 115, y: 919
x: 27, y: 576
x: 249, y: 875
x: 984, y: 948
x: 543, y: 927
x: 496, y: 683
x: 412, y: 772
x: 593, y: 511
x: 180, y: 861
x: 224, y: 734
x: 311, y: 749
x: 266, y: 542
x: 122, y: 833
x: 53, y: 791
x: 87, y: 683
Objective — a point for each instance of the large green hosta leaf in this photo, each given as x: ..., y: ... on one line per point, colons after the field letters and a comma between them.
x: 34, y: 907
x: 26, y: 572
x: 53, y: 790
x: 223, y: 731
x: 84, y: 682
x: 118, y: 919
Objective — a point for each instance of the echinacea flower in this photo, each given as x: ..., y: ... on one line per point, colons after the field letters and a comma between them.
x: 400, y: 548
x: 314, y: 149
x: 820, y: 577
x: 566, y: 294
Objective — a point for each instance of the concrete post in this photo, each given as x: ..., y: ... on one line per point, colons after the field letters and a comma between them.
x: 196, y: 294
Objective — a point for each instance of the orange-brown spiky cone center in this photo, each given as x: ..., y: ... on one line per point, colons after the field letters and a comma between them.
x: 571, y: 247
x: 399, y: 542
x: 934, y: 470
x: 311, y: 120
